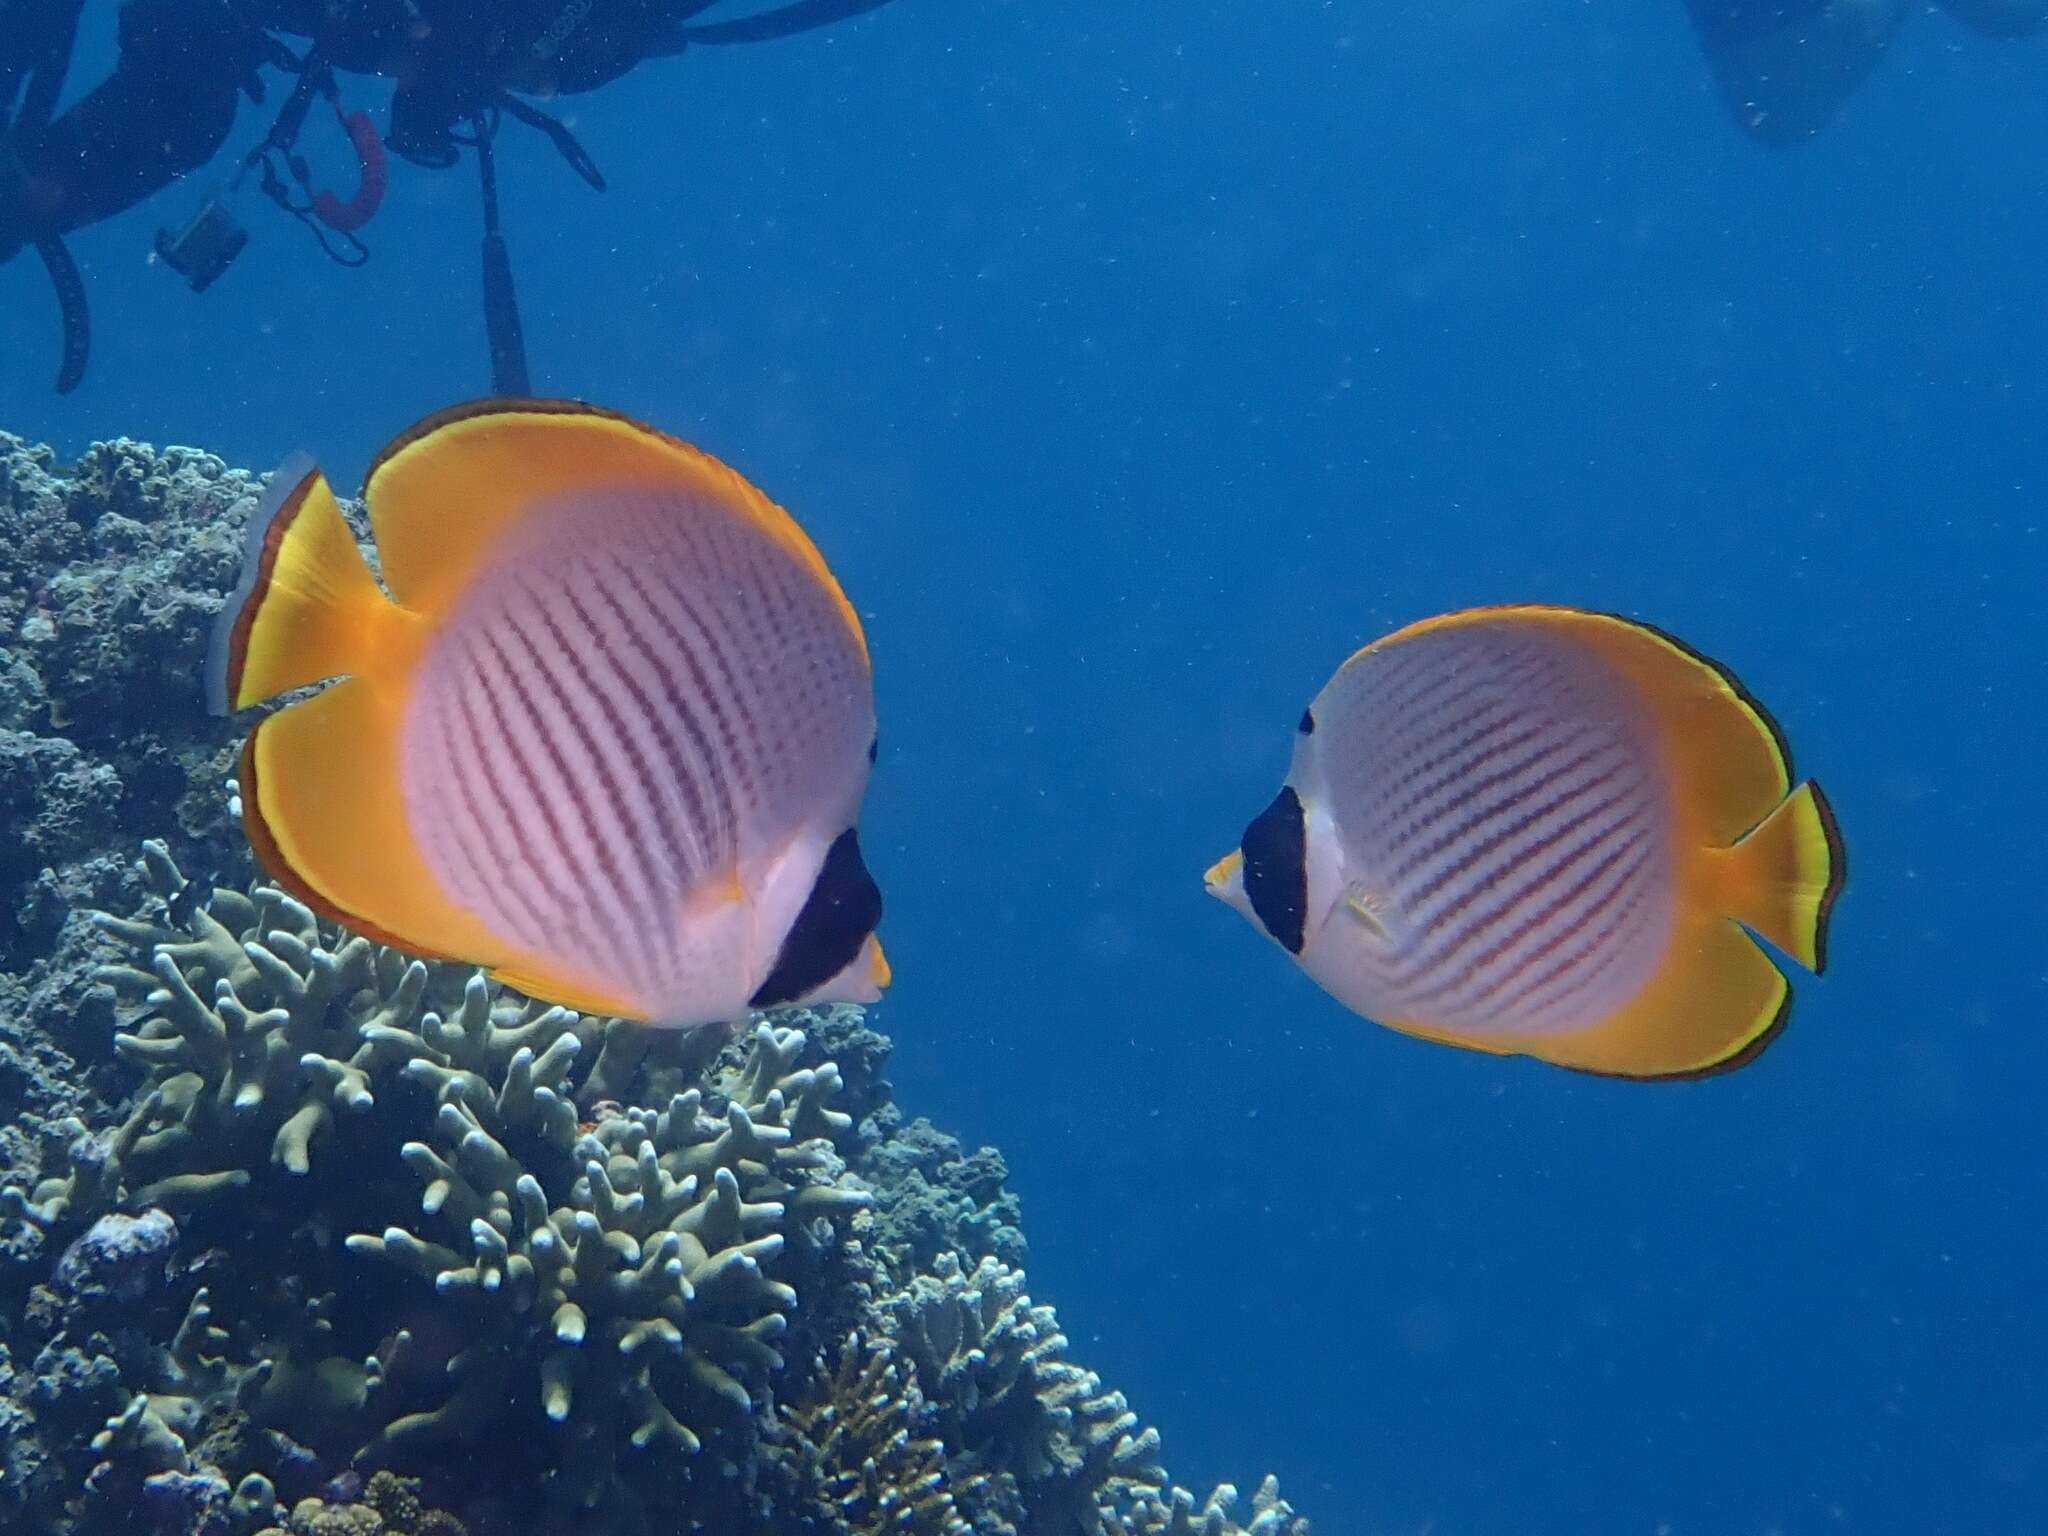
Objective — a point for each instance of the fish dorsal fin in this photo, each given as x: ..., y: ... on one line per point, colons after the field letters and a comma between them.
x: 1715, y: 1004
x: 1727, y: 759
x: 442, y: 494
x: 305, y: 608
x: 320, y: 801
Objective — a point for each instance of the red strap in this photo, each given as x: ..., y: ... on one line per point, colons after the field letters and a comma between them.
x: 360, y: 209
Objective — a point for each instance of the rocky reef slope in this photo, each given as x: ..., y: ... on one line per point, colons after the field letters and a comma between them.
x: 300, y: 1234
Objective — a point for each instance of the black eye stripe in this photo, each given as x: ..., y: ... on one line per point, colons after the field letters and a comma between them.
x: 842, y: 910
x: 1276, y: 869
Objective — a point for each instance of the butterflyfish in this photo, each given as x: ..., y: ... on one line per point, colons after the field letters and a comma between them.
x: 603, y: 727
x: 1548, y: 832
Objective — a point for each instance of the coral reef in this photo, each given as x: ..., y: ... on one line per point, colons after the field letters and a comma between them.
x: 301, y: 1235
x: 459, y: 1258
x: 111, y: 570
x: 386, y: 1505
x: 852, y: 1445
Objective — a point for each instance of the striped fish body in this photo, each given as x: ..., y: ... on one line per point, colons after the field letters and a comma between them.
x: 1541, y: 831
x: 611, y: 740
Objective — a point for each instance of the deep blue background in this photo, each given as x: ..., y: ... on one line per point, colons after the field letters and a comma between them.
x: 1134, y: 364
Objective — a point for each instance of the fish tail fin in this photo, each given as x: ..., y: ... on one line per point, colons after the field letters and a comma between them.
x: 306, y: 607
x: 1786, y: 874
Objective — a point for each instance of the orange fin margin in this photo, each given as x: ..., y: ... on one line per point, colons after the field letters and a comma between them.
x: 441, y: 493
x: 323, y: 809
x: 1716, y: 1003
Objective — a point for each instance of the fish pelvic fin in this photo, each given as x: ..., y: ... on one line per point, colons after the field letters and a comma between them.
x: 1782, y: 879
x: 306, y: 607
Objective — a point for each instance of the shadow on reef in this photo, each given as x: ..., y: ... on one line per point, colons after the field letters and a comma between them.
x: 329, y: 1220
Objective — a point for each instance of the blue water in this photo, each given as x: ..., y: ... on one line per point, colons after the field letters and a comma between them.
x: 1133, y: 364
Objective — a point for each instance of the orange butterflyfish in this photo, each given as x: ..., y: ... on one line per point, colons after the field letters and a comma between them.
x: 1543, y: 831
x: 603, y: 728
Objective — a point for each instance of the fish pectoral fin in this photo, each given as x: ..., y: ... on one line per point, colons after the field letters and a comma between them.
x: 711, y: 896
x: 1370, y: 909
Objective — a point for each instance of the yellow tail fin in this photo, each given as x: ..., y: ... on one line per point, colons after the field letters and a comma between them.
x: 306, y: 607
x: 1786, y: 874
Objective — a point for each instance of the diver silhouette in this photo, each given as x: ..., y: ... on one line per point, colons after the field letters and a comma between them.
x: 460, y: 67
x: 1785, y: 67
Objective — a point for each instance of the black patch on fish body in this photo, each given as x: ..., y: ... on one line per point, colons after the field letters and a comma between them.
x: 842, y: 910
x: 1308, y: 723
x: 1276, y: 869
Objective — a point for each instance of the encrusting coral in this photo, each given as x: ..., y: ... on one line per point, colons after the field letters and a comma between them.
x: 110, y: 574
x: 386, y: 1505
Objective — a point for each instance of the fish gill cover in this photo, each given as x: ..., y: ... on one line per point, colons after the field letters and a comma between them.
x: 301, y: 1234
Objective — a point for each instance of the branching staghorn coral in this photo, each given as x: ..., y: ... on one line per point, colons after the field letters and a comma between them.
x: 854, y: 1444
x: 629, y: 1279
x: 1177, y: 1514
x: 634, y: 1284
x: 994, y: 1364
x: 263, y: 1030
x: 622, y: 1273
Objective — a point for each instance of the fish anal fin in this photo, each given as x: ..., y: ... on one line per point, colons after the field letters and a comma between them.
x: 321, y: 803
x: 1717, y: 1001
x: 538, y: 980
x: 1725, y: 756
x: 306, y: 607
x: 1782, y: 879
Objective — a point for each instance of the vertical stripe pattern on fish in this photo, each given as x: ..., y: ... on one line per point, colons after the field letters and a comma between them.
x: 1492, y: 790
x: 611, y: 739
x: 1536, y: 830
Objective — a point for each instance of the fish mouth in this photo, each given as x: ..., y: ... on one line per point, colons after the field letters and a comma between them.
x: 1217, y: 877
